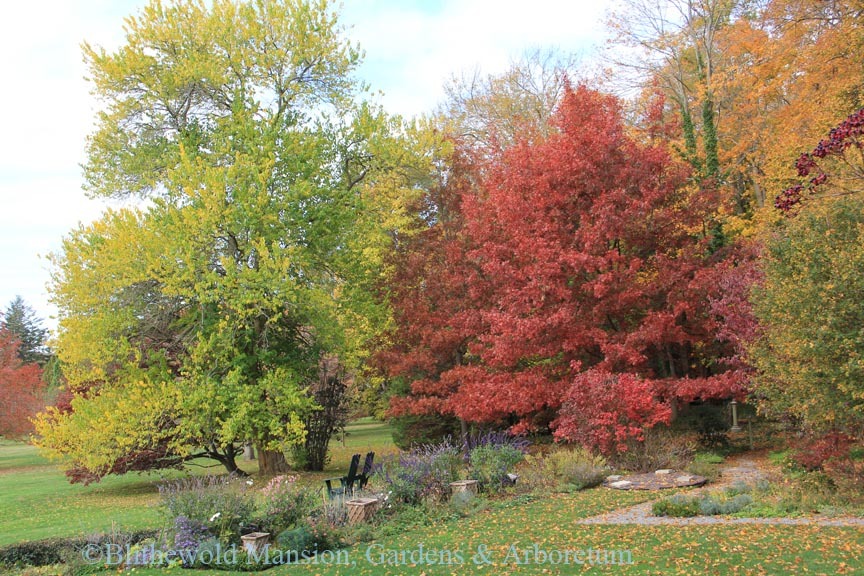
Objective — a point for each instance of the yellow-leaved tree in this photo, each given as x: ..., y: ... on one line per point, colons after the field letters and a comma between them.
x: 272, y: 193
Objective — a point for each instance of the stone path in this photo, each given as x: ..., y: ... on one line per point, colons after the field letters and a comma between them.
x: 743, y: 469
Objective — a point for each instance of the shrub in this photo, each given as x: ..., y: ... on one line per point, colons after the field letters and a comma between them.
x: 285, y: 504
x: 711, y: 424
x: 708, y: 506
x: 660, y: 448
x: 58, y: 550
x: 714, y: 505
x: 736, y: 504
x: 536, y: 472
x: 324, y: 535
x: 491, y: 463
x: 399, y: 518
x: 679, y: 506
x: 465, y: 503
x: 683, y: 506
x: 814, y: 454
x: 190, y: 534
x: 219, y: 502
x: 297, y: 539
x: 578, y: 467
x: 423, y: 473
x: 312, y: 537
x: 39, y: 553
x: 737, y: 488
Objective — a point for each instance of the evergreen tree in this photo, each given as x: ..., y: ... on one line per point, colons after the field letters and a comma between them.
x: 20, y: 319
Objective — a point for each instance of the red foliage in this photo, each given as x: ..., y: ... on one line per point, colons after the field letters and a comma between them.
x: 22, y: 392
x: 157, y: 457
x: 846, y: 135
x: 606, y: 410
x: 816, y: 453
x: 580, y: 252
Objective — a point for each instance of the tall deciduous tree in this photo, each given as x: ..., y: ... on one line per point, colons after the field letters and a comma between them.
x: 580, y: 263
x: 808, y: 358
x: 675, y: 45
x: 501, y: 109
x: 793, y: 68
x: 21, y: 388
x: 809, y: 355
x: 273, y: 196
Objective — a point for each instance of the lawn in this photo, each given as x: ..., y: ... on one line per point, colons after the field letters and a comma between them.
x: 529, y: 534
x: 37, y: 501
x: 505, y: 536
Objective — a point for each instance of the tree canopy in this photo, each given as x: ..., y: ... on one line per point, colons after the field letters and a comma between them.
x: 21, y: 388
x: 271, y: 194
x: 579, y: 255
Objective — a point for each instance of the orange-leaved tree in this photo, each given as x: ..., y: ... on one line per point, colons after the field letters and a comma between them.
x: 21, y: 389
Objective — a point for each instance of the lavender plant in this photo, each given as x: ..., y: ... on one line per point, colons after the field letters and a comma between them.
x: 221, y: 503
x: 495, y: 438
x: 189, y: 535
x: 423, y: 473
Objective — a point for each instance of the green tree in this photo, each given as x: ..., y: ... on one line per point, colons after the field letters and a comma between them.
x: 673, y: 45
x: 810, y: 355
x: 20, y: 319
x: 272, y: 196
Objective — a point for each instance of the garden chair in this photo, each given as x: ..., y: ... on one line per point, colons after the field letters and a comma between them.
x: 363, y: 477
x: 346, y: 483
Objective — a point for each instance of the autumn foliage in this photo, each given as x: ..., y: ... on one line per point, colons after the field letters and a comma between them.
x: 21, y: 389
x: 843, y: 145
x: 571, y: 288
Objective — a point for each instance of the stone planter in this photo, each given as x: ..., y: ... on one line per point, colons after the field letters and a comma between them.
x: 255, y: 542
x: 463, y: 486
x: 361, y: 509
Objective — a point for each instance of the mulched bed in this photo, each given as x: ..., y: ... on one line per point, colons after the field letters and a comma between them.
x: 660, y: 480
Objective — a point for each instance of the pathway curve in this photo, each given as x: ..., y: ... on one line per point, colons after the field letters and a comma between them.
x: 747, y: 469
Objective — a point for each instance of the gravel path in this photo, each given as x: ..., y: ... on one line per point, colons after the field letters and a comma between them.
x: 740, y: 470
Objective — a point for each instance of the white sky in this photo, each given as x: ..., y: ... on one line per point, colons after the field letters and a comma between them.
x: 46, y: 111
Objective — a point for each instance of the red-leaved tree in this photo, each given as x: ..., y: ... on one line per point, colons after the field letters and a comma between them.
x: 573, y: 290
x: 22, y: 392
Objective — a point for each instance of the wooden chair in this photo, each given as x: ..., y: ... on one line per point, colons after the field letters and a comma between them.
x: 363, y: 477
x: 346, y: 483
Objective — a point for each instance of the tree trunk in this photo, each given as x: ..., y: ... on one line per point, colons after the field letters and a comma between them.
x: 248, y: 451
x: 709, y: 139
x: 271, y: 462
x: 227, y: 459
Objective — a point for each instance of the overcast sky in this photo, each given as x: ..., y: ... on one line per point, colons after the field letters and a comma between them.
x: 412, y: 47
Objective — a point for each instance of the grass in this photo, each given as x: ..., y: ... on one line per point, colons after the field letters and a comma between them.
x: 37, y: 502
x: 551, y: 523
